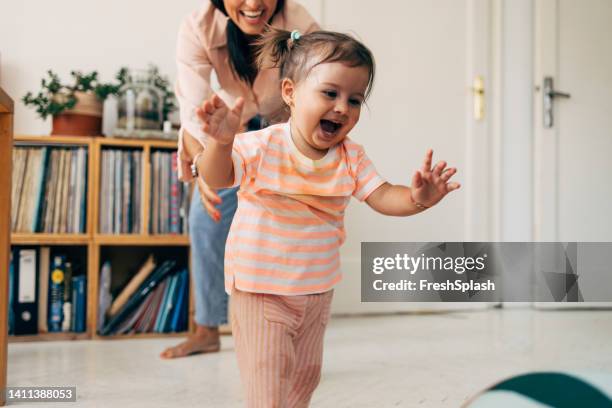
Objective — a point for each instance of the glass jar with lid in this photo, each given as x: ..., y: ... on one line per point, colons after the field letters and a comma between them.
x: 140, y: 106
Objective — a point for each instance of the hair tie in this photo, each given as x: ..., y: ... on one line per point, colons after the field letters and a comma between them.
x: 295, y: 35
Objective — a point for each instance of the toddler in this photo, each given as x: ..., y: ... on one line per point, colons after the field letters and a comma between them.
x: 296, y: 179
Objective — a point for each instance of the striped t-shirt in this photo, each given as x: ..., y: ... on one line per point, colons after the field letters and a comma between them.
x: 289, y: 225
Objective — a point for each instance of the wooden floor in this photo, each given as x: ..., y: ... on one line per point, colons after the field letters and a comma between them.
x: 396, y: 361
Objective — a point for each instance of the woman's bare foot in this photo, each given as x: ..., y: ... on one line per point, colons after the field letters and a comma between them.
x: 204, y: 340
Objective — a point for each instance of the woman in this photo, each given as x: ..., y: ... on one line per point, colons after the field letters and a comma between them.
x: 218, y: 37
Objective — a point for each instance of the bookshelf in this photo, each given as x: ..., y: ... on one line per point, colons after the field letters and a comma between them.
x: 6, y: 144
x: 122, y: 241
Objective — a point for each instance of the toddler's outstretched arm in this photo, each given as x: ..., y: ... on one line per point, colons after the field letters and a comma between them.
x: 221, y: 123
x: 429, y: 186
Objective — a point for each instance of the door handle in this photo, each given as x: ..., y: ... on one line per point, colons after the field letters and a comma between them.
x: 549, y: 95
x: 478, y: 90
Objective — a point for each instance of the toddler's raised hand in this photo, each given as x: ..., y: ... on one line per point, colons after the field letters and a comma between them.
x: 430, y: 185
x: 218, y: 120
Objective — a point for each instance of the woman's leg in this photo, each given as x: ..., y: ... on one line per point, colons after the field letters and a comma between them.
x: 207, y: 242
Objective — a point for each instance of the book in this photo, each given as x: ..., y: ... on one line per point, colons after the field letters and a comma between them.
x: 43, y: 287
x: 20, y: 157
x: 151, y: 318
x: 174, y: 197
x: 143, y: 273
x: 181, y: 303
x: 166, y: 304
x: 117, y: 191
x: 83, y: 191
x: 137, y: 191
x: 145, y: 288
x: 104, y: 294
x: 57, y: 199
x: 104, y: 193
x: 79, y: 302
x: 68, y: 304
x: 51, y: 191
x: 71, y: 202
x: 25, y: 194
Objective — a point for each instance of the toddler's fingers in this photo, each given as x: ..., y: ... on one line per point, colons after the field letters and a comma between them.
x: 427, y: 162
x: 417, y: 180
x: 447, y: 174
x: 201, y: 114
x: 452, y: 186
x: 208, y: 107
x: 217, y: 101
x: 238, y: 106
x: 439, y: 168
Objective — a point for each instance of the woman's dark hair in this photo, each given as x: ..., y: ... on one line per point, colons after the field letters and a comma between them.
x: 241, y: 54
x: 276, y: 48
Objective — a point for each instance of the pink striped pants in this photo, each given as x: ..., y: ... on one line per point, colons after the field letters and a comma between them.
x: 279, y: 346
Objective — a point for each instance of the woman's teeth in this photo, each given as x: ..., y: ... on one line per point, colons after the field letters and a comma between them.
x: 252, y: 14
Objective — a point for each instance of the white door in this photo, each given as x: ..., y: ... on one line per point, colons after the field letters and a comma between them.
x: 573, y: 154
x: 428, y: 53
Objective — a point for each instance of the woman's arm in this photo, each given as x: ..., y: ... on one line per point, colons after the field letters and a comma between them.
x: 191, y: 147
x: 192, y: 87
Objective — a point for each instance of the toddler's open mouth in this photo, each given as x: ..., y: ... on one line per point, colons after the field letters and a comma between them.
x: 329, y: 127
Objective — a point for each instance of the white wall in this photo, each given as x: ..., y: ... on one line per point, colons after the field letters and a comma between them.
x: 65, y: 35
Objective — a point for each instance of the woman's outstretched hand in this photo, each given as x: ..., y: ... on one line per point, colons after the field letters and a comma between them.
x: 209, y: 199
x: 219, y: 121
x: 430, y: 185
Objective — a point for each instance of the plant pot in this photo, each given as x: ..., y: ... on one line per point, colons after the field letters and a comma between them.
x: 85, y: 119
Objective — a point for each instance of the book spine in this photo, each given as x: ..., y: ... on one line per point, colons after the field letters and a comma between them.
x: 56, y: 293
x: 175, y: 197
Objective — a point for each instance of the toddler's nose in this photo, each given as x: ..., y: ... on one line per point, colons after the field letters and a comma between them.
x: 341, y: 107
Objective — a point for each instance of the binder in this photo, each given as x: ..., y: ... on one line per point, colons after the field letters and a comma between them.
x: 25, y: 300
x: 56, y: 293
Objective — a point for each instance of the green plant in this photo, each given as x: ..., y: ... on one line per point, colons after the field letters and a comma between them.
x: 55, y: 98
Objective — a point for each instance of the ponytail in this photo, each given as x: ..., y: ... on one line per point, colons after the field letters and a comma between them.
x: 272, y: 48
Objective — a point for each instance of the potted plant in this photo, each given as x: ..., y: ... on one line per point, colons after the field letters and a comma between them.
x: 76, y: 109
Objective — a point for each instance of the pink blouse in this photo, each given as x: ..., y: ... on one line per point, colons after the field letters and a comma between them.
x: 202, y: 48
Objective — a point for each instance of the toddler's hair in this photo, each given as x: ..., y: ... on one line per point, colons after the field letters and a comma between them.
x: 295, y: 58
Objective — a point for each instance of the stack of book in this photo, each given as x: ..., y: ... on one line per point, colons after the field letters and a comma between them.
x: 45, y: 293
x: 169, y: 197
x: 155, y: 300
x: 49, y: 189
x: 120, y: 191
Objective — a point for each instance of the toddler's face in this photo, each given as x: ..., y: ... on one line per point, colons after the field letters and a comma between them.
x: 326, y: 105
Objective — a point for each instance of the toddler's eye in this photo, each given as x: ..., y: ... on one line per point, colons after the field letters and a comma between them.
x: 330, y: 94
x: 355, y: 102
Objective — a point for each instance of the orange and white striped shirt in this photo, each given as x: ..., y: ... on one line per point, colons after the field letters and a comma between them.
x: 289, y: 225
